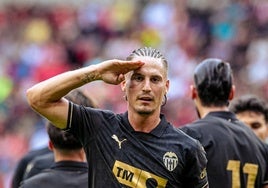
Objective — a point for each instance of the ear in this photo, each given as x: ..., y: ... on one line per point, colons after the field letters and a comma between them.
x: 193, y: 91
x: 232, y: 93
x: 123, y: 85
x: 50, y: 145
x: 167, y: 86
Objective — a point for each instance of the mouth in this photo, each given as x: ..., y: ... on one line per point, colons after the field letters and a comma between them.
x: 146, y: 98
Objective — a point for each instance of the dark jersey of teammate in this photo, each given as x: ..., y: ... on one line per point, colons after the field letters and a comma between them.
x: 38, y: 164
x: 22, y: 165
x: 236, y: 157
x: 118, y: 156
x: 62, y: 174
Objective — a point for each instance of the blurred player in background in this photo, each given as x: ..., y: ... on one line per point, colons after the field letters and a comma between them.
x: 69, y: 168
x: 236, y: 157
x: 23, y: 163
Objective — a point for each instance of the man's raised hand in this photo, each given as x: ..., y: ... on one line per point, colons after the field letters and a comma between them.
x: 113, y: 71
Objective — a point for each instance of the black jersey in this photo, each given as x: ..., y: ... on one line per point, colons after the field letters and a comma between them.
x: 118, y: 156
x: 23, y: 163
x: 38, y: 164
x: 62, y: 174
x: 236, y: 156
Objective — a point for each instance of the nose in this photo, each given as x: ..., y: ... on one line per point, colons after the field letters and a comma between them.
x: 147, y: 85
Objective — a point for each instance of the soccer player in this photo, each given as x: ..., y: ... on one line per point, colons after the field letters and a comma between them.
x: 70, y: 167
x: 138, y: 148
x: 236, y: 157
x: 253, y: 111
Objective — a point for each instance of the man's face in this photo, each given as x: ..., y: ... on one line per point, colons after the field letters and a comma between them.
x: 255, y: 121
x: 145, y: 87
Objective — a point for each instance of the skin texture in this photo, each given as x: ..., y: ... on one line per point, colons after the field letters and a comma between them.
x: 256, y: 121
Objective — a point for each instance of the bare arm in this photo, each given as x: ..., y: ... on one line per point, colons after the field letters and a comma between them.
x: 47, y: 97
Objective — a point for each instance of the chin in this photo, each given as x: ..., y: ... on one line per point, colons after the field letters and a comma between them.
x: 144, y: 111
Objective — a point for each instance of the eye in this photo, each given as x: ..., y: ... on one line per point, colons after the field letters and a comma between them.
x: 137, y: 77
x: 155, y: 79
x: 255, y: 125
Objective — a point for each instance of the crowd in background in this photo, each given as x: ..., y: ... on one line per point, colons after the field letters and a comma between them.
x: 38, y: 41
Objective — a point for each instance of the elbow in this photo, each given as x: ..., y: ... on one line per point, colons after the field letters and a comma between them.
x: 32, y: 98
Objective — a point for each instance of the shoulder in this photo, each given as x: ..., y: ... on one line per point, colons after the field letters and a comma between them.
x: 38, y: 164
x: 264, y: 149
x: 187, y: 142
x: 193, y: 129
x: 192, y: 148
x: 29, y: 157
x: 37, y: 180
x: 202, y: 126
x: 75, y: 108
x: 191, y: 141
x: 187, y: 147
x: 34, y: 153
x: 44, y: 160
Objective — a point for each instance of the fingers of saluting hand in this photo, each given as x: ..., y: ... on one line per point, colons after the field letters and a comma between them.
x: 114, y: 70
x: 126, y: 66
x: 119, y: 66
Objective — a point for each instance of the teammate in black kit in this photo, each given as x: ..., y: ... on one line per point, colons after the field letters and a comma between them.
x: 21, y: 167
x: 70, y: 167
x: 136, y: 149
x: 236, y: 157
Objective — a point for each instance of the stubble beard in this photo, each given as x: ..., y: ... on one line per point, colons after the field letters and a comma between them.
x: 143, y: 110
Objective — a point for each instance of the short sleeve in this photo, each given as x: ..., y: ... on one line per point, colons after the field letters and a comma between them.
x: 195, y: 173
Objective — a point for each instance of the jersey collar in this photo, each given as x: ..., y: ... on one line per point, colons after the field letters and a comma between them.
x: 157, y: 131
x: 223, y: 114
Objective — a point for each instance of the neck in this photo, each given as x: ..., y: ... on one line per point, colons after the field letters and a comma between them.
x: 203, y: 111
x: 73, y: 155
x: 144, y: 123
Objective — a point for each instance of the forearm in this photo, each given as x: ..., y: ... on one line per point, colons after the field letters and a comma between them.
x: 49, y: 92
